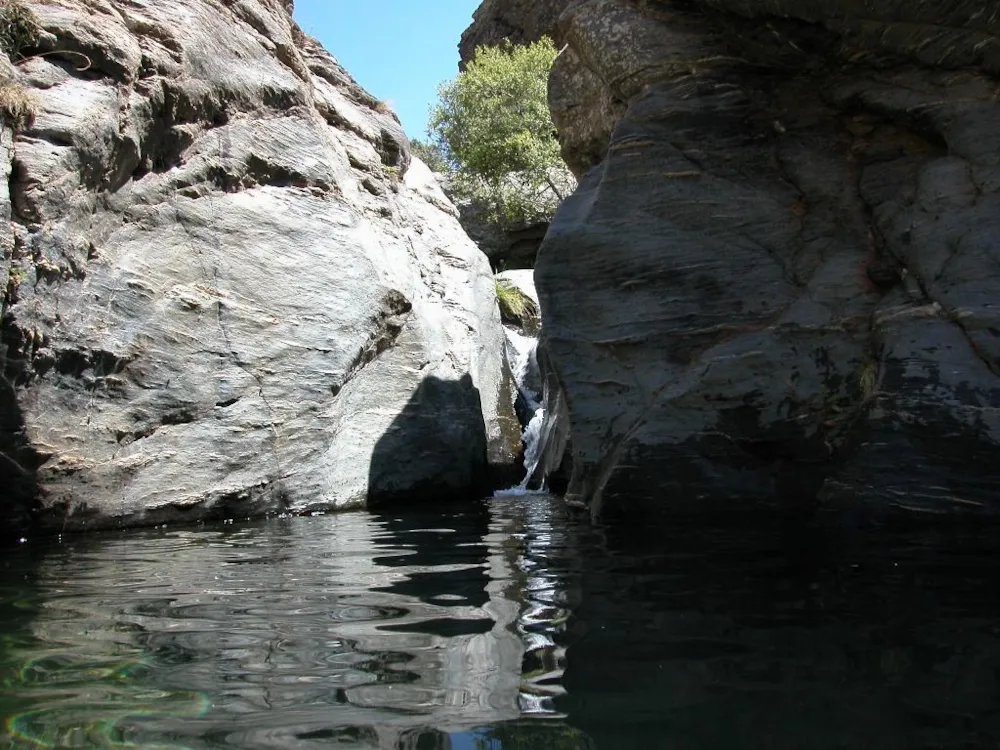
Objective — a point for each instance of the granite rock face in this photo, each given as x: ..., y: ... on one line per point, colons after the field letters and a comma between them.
x: 228, y: 288
x: 520, y: 21
x: 778, y: 285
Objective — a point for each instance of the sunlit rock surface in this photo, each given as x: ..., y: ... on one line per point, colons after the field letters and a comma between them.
x: 228, y: 289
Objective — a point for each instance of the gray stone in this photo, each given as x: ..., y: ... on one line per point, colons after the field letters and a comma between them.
x: 519, y: 21
x: 507, y: 245
x: 232, y: 292
x: 776, y: 285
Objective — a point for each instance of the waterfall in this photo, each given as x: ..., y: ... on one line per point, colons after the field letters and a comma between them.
x: 521, y: 353
x: 523, y: 365
x: 532, y: 439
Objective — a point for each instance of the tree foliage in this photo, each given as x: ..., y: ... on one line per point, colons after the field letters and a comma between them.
x: 493, y: 124
x: 430, y: 154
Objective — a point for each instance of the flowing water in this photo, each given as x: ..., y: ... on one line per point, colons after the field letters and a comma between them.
x: 504, y: 625
x: 521, y: 352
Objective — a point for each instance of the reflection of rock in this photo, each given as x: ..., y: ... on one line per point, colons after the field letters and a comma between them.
x: 315, y: 633
x: 307, y: 631
x: 760, y: 639
x: 323, y: 628
x: 226, y: 277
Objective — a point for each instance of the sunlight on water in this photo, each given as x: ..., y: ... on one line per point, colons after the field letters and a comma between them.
x: 365, y: 630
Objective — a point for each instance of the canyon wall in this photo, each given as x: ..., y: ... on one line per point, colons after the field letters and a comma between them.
x: 778, y: 285
x: 228, y: 290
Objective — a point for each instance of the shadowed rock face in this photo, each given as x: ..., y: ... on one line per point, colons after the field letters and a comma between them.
x: 520, y: 21
x: 224, y: 278
x: 779, y: 279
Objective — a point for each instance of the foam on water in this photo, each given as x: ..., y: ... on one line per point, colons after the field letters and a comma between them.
x: 520, y: 350
x: 520, y: 491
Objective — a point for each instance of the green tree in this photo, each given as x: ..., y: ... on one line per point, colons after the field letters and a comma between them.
x: 430, y: 154
x: 493, y: 124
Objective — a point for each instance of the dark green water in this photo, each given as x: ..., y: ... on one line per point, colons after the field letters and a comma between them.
x: 505, y: 626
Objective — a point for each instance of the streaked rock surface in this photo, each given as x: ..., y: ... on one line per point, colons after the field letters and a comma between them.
x: 778, y: 281
x: 229, y: 290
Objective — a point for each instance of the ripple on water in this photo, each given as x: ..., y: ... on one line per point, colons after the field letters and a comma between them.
x: 504, y: 626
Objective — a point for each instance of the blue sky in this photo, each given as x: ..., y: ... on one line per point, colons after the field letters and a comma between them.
x: 399, y: 50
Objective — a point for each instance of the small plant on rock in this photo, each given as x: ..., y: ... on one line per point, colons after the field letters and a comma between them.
x: 515, y: 306
x: 15, y: 280
x: 430, y: 154
x: 868, y: 380
x: 393, y: 174
x: 19, y: 28
x: 17, y: 107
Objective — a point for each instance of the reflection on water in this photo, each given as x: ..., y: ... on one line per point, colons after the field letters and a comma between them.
x: 504, y: 626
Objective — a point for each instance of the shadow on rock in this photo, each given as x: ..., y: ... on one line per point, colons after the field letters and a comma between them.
x: 435, y: 449
x: 18, y: 465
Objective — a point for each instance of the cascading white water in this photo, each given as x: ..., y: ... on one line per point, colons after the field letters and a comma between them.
x: 521, y: 355
x: 532, y: 446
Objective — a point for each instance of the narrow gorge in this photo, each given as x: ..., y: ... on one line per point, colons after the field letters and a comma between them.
x: 675, y: 425
x: 230, y: 290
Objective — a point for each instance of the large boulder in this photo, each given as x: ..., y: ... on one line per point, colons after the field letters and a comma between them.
x: 228, y: 288
x: 778, y: 282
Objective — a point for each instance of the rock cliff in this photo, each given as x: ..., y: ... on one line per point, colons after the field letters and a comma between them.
x: 228, y: 289
x: 778, y: 284
x: 520, y: 21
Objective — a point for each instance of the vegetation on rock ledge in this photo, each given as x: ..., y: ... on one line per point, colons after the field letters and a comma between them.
x: 515, y: 306
x: 17, y: 108
x: 430, y: 155
x: 19, y: 29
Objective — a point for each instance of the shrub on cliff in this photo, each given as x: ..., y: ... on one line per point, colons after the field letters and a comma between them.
x: 19, y: 28
x: 493, y: 124
x: 430, y: 154
x: 17, y: 107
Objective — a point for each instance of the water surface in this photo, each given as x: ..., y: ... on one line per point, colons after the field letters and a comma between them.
x: 503, y: 625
